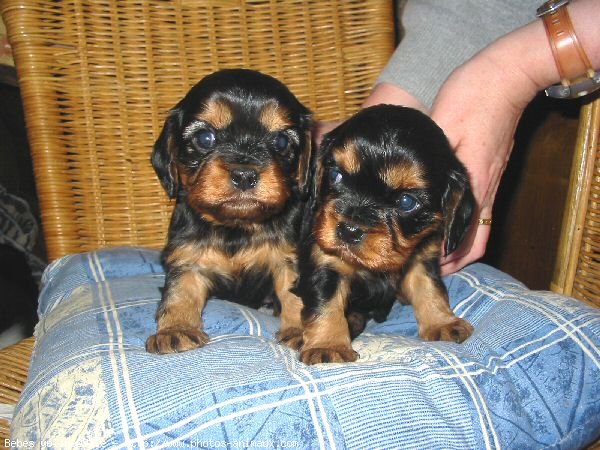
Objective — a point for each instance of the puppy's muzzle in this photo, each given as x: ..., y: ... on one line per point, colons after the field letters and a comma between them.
x: 244, y: 178
x: 349, y: 234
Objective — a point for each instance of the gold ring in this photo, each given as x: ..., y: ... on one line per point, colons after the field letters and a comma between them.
x: 484, y: 221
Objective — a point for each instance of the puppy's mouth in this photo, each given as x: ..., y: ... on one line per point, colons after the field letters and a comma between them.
x: 237, y: 211
x: 241, y: 204
x: 242, y: 207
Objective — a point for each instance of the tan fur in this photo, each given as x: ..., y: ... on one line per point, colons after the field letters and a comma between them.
x: 274, y: 117
x: 277, y: 259
x: 213, y: 184
x: 322, y: 259
x: 432, y: 310
x: 191, y: 256
x: 211, y: 188
x: 325, y: 226
x: 271, y: 188
x: 268, y: 256
x: 347, y: 158
x: 180, y: 323
x: 217, y: 113
x: 326, y: 335
x: 379, y: 250
x: 186, y: 301
x: 290, y: 328
x: 403, y: 176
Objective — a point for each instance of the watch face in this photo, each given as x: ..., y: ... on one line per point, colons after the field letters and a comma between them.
x: 550, y: 6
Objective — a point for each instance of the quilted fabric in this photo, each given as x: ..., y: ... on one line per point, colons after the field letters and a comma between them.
x: 527, y: 378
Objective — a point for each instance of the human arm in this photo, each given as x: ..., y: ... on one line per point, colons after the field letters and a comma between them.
x: 480, y: 104
x: 437, y: 38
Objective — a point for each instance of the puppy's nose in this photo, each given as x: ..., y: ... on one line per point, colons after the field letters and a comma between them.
x: 244, y: 178
x: 350, y: 234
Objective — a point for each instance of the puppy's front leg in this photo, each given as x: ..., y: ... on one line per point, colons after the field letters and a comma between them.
x: 179, y: 316
x: 326, y: 333
x: 290, y: 329
x: 423, y: 287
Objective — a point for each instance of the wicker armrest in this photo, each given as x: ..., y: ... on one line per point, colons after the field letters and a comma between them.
x: 577, y: 269
x: 14, y: 365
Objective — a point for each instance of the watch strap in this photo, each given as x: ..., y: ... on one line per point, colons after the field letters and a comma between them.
x: 577, y: 76
x: 571, y: 60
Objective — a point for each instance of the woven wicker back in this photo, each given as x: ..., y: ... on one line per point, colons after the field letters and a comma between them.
x: 97, y: 78
x: 577, y: 271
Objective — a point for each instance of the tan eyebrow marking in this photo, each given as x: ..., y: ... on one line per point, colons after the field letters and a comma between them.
x: 347, y: 158
x: 275, y: 117
x: 403, y: 176
x: 217, y: 113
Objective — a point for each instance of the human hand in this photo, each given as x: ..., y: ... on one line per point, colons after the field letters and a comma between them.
x: 481, y: 103
x: 479, y: 107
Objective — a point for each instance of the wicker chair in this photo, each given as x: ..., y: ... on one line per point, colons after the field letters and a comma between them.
x: 577, y: 265
x: 577, y: 269
x: 97, y: 78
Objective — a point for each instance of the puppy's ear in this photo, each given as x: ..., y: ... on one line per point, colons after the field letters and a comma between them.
x: 458, y: 205
x: 315, y: 179
x: 304, y: 159
x: 165, y: 151
x: 318, y: 168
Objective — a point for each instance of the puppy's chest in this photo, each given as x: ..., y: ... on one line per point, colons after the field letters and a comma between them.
x: 372, y: 292
x: 245, y: 276
x: 269, y: 257
x: 221, y: 259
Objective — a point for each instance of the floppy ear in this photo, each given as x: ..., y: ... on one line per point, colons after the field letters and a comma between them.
x: 164, y: 153
x: 304, y: 159
x: 315, y: 179
x: 458, y: 205
x: 318, y: 167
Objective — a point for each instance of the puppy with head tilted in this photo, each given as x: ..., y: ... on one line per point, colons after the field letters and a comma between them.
x: 387, y: 192
x: 234, y: 152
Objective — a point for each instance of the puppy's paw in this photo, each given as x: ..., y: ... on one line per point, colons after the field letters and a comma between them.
x: 457, y: 330
x: 335, y: 354
x: 176, y: 340
x: 291, y: 337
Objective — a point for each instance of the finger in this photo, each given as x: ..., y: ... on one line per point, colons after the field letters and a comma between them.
x: 463, y: 256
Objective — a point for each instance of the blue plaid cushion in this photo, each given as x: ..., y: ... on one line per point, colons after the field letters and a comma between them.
x: 527, y: 378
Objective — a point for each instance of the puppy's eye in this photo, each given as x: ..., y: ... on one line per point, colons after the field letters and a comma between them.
x: 408, y: 203
x: 335, y: 177
x: 204, y: 139
x: 281, y: 141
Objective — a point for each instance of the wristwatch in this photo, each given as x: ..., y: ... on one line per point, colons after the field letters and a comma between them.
x: 577, y: 76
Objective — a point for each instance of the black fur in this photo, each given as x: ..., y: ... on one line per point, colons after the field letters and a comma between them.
x: 246, y: 90
x: 252, y: 288
x: 384, y: 135
x: 245, y: 141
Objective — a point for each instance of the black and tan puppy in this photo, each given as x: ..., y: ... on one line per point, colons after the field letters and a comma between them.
x: 234, y: 152
x: 387, y: 192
